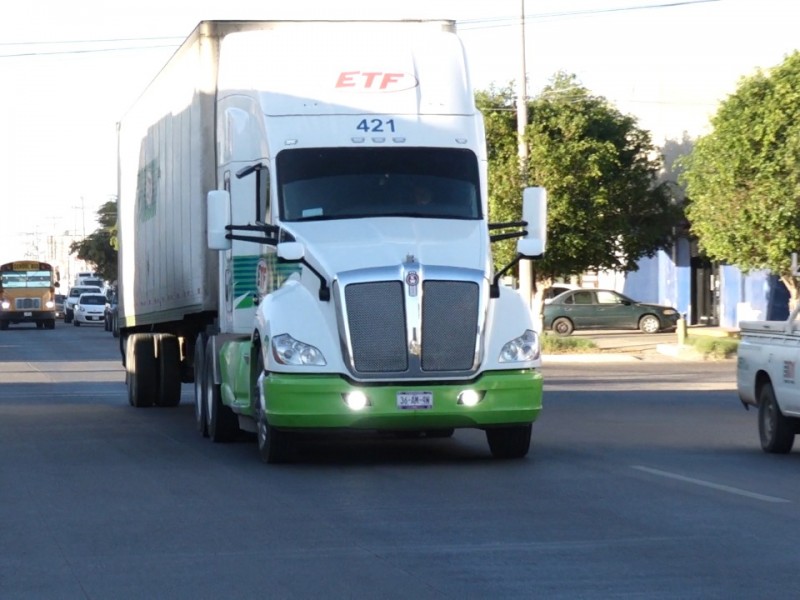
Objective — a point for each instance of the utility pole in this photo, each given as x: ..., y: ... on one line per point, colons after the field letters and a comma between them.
x: 525, y: 278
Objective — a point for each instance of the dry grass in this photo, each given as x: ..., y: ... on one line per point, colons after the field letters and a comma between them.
x: 552, y: 344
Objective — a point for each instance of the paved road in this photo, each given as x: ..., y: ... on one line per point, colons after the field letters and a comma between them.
x: 645, y: 481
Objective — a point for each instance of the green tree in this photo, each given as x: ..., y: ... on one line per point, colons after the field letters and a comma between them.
x: 743, y: 179
x: 606, y: 209
x: 100, y: 247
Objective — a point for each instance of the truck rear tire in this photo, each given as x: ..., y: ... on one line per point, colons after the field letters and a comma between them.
x: 169, y: 370
x: 142, y: 370
x: 200, y: 417
x: 509, y: 442
x: 774, y: 429
x: 223, y: 424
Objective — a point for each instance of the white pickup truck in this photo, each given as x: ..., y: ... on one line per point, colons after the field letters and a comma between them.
x: 767, y: 377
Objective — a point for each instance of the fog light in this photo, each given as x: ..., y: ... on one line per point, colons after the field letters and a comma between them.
x: 356, y: 400
x: 470, y: 397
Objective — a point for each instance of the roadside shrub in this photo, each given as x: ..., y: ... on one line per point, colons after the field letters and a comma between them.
x: 713, y: 347
x: 553, y: 344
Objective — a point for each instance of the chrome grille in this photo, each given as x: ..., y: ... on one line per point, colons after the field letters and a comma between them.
x: 449, y: 325
x: 395, y: 328
x: 377, y: 320
x: 28, y: 303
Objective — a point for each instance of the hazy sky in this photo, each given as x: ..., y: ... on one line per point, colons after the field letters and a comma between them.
x: 71, y: 69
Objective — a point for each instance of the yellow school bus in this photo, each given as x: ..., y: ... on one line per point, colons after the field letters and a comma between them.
x: 28, y: 293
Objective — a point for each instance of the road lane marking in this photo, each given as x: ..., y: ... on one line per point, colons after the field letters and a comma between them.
x: 708, y: 484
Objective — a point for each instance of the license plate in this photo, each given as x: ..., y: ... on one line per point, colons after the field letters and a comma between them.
x: 28, y: 314
x: 414, y: 400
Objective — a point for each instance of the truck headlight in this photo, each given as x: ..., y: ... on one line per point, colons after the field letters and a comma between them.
x: 524, y: 348
x: 289, y: 351
x: 50, y: 304
x: 5, y: 304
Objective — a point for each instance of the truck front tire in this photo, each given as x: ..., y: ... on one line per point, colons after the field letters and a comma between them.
x: 774, y: 429
x: 223, y: 424
x: 509, y: 442
x: 274, y: 446
x: 200, y: 417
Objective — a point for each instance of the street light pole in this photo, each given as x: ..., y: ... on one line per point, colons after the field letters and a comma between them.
x: 525, y: 278
x: 522, y: 106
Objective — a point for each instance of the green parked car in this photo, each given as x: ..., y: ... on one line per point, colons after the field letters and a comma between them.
x: 605, y: 309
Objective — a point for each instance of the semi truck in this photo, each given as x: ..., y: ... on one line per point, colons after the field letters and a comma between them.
x: 304, y: 236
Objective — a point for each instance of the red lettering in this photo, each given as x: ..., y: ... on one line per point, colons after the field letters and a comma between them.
x: 390, y: 78
x: 376, y: 81
x: 369, y: 78
x: 346, y: 79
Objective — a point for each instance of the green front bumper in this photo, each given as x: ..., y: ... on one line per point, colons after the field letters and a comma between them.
x: 316, y: 402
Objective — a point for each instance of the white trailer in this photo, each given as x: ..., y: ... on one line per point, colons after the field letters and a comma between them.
x: 303, y: 233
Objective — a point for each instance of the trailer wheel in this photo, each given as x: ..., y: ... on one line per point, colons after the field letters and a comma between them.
x: 774, y: 429
x: 200, y: 417
x: 274, y: 446
x: 509, y: 442
x: 223, y: 424
x: 168, y: 354
x: 142, y: 370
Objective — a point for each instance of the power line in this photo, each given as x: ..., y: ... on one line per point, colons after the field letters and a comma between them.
x: 465, y: 24
x: 99, y: 41
x: 514, y: 20
x: 87, y: 51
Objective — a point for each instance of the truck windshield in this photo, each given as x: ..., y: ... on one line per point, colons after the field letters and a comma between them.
x: 347, y: 183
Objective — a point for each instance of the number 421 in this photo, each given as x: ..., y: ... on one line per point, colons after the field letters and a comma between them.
x: 376, y: 126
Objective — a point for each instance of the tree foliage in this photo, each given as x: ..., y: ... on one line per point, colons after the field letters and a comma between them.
x: 743, y: 179
x: 100, y: 247
x: 606, y: 209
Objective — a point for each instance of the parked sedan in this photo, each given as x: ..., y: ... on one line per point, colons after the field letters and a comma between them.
x: 605, y: 309
x: 91, y: 308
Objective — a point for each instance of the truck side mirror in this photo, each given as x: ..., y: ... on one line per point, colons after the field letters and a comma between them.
x: 291, y: 251
x: 218, y: 212
x: 534, y: 212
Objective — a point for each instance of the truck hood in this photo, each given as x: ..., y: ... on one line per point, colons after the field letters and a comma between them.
x: 346, y: 245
